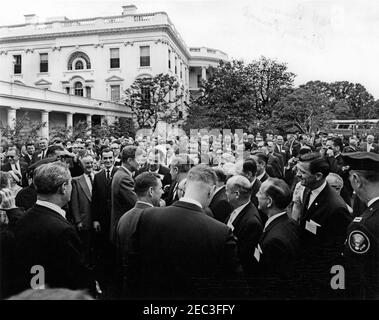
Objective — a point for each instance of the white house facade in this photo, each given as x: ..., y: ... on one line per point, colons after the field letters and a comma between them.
x: 62, y: 71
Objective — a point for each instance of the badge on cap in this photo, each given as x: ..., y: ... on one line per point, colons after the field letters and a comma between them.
x: 358, y: 242
x: 357, y: 219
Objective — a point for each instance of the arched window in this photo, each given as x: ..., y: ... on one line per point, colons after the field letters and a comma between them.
x: 75, y: 58
x: 79, y: 65
x: 78, y: 89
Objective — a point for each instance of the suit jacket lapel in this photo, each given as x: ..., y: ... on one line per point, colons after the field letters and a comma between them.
x: 319, y: 200
x: 272, y: 224
x: 83, y: 183
x: 241, y: 214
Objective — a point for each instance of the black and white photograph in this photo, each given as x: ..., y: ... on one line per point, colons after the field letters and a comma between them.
x: 189, y: 155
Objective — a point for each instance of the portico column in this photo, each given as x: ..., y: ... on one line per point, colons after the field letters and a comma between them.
x: 11, y: 118
x: 45, y: 124
x: 89, y: 124
x: 204, y: 73
x: 69, y: 122
x: 102, y: 120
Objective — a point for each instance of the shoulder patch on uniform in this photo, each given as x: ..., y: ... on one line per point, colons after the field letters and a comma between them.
x: 358, y: 242
x: 357, y: 219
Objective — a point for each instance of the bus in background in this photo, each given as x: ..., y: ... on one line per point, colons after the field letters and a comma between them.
x: 358, y: 127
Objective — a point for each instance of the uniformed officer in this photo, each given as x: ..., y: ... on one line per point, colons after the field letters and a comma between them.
x: 362, y: 243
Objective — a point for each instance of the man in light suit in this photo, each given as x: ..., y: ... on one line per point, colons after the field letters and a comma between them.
x: 245, y: 221
x: 80, y: 205
x: 148, y: 187
x: 369, y: 145
x: 179, y: 251
x: 123, y: 195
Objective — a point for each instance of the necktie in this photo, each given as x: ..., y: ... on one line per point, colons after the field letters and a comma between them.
x: 306, y: 197
x: 90, y: 178
x: 107, y: 175
x: 231, y: 219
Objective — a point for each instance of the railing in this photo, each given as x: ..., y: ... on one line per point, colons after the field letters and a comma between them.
x: 157, y: 18
x: 208, y: 53
x: 18, y: 90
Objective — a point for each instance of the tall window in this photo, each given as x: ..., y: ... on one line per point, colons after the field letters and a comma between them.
x: 115, y: 58
x: 78, y: 89
x: 88, y: 92
x: 68, y: 90
x: 79, y: 65
x: 169, y: 59
x: 17, y: 63
x: 176, y: 67
x: 145, y: 56
x: 115, y: 93
x: 43, y: 62
x: 146, y: 98
x: 181, y: 72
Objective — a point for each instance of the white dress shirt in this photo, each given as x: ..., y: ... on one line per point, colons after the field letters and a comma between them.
x: 372, y: 201
x: 272, y: 218
x: 315, y: 193
x: 261, y: 175
x: 88, y: 180
x: 234, y: 215
x: 193, y: 201
x: 52, y: 206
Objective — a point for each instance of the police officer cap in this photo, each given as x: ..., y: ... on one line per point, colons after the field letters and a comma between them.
x: 361, y: 161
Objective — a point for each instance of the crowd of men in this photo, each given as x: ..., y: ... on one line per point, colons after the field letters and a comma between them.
x: 205, y: 216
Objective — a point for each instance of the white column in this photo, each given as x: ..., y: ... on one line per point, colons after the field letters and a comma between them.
x: 204, y: 73
x: 70, y: 122
x: 45, y: 122
x: 102, y: 120
x: 11, y: 118
x: 89, y: 124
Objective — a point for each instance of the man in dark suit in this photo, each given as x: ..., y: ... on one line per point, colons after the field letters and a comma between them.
x: 245, y: 221
x: 42, y: 153
x: 219, y: 204
x: 46, y: 240
x: 323, y: 221
x: 30, y: 149
x: 179, y: 252
x: 154, y: 164
x: 278, y: 250
x: 249, y: 170
x: 101, y: 212
x: 261, y: 160
x: 280, y: 148
x: 334, y: 157
x: 14, y: 164
x: 369, y: 145
x: 123, y: 195
x: 179, y: 168
x: 80, y: 205
x: 148, y: 187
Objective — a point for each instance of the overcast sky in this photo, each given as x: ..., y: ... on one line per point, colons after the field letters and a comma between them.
x: 319, y: 40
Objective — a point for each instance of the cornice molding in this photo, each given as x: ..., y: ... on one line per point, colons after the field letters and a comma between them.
x: 51, y: 36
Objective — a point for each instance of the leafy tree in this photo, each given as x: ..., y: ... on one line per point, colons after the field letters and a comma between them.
x: 236, y: 95
x: 152, y: 99
x: 269, y: 81
x: 23, y: 130
x: 303, y: 109
x: 345, y: 99
x: 357, y: 99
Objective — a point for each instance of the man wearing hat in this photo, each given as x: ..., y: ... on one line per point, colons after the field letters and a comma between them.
x: 362, y: 243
